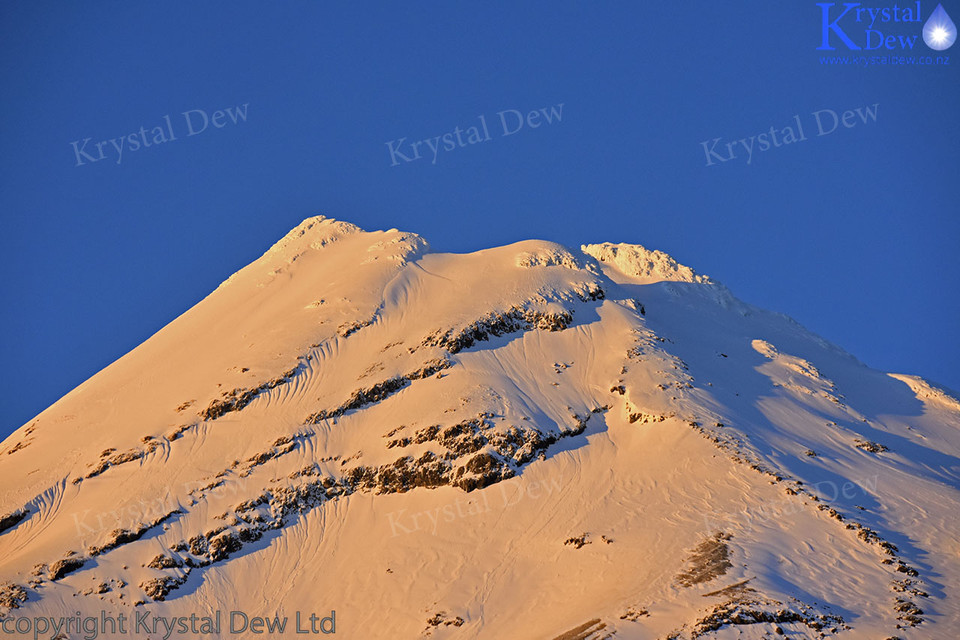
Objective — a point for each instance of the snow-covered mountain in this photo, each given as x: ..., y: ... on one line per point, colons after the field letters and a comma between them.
x: 523, y: 442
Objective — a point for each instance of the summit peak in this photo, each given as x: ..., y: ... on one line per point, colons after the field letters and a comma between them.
x: 642, y: 264
x: 314, y: 232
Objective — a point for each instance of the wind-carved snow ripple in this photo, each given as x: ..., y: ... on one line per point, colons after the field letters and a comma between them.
x: 237, y: 399
x: 295, y: 385
x: 32, y: 518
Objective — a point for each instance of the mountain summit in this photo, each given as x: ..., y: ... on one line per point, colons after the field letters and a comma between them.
x: 522, y: 442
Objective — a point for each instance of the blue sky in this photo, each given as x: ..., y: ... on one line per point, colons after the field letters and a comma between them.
x: 854, y: 233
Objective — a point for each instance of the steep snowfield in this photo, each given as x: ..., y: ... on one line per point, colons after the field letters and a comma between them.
x: 522, y: 442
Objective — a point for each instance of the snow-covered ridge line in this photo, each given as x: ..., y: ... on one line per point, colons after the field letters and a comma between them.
x: 639, y: 262
x: 606, y: 429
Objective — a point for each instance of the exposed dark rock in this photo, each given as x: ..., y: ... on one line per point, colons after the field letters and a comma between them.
x: 498, y: 324
x: 441, y: 618
x: 64, y: 566
x: 12, y: 595
x: 164, y: 562
x: 586, y: 631
x: 748, y: 611
x: 275, y: 452
x: 488, y: 470
x: 578, y: 542
x: 177, y: 433
x: 709, y: 560
x: 123, y: 536
x: 398, y: 442
x: 426, y: 434
x: 198, y: 545
x: 589, y: 292
x: 11, y: 520
x: 380, y: 391
x: 309, y: 470
x: 464, y: 437
x: 17, y: 447
x: 644, y: 418
x: 350, y: 328
x: 159, y: 588
x: 249, y: 535
x: 237, y: 399
x: 118, y: 459
x: 406, y: 474
x: 633, y: 614
x: 872, y: 447
x: 223, y: 545
x: 234, y: 400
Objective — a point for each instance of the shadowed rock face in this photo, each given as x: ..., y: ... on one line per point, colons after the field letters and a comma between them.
x: 498, y: 324
x: 12, y: 595
x: 380, y: 391
x: 237, y: 399
x: 11, y: 520
x: 64, y: 566
x: 709, y: 560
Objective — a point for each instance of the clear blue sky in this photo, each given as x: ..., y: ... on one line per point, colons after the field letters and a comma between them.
x: 854, y: 233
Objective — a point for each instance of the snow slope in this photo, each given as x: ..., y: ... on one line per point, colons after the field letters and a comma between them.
x: 523, y: 442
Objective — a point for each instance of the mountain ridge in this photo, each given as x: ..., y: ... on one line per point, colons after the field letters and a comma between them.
x: 347, y: 370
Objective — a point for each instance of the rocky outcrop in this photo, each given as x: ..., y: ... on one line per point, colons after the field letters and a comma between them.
x: 120, y: 537
x: 237, y: 399
x: 64, y: 566
x: 10, y: 520
x: 498, y: 324
x: 159, y: 588
x: 380, y: 391
x: 12, y: 595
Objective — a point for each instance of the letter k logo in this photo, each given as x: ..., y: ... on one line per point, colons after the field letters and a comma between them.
x: 832, y: 26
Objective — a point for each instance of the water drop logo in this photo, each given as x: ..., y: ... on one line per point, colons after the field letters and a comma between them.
x: 939, y: 32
